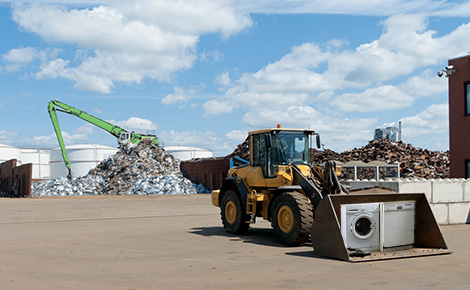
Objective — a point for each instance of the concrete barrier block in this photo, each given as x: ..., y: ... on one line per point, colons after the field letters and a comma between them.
x: 441, y: 213
x: 459, y: 213
x: 447, y: 191
x: 416, y: 187
x: 466, y: 191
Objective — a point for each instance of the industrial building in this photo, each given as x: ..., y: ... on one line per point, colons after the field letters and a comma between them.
x: 185, y: 153
x: 39, y: 158
x: 389, y: 133
x: 458, y: 73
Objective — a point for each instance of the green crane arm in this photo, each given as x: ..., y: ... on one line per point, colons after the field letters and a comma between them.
x: 61, y: 107
x: 114, y: 130
x: 108, y: 127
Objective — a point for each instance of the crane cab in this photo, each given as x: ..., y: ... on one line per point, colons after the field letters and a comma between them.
x: 124, y: 137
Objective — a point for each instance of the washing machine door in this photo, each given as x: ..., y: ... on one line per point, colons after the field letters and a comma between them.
x: 363, y: 226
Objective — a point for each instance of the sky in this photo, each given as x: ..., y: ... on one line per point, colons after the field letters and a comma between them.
x: 205, y: 73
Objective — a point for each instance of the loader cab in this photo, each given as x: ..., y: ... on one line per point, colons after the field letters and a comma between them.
x: 274, y: 147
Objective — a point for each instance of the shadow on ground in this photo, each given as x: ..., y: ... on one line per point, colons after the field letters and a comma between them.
x: 263, y: 236
x: 257, y: 236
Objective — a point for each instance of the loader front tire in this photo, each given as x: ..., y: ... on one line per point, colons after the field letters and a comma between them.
x: 292, y: 218
x: 232, y: 214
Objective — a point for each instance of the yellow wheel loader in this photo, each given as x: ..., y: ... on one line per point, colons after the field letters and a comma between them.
x: 302, y: 202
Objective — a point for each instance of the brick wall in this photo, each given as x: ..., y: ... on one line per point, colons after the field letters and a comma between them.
x: 459, y: 123
x: 15, y: 181
x: 6, y: 170
x: 208, y: 172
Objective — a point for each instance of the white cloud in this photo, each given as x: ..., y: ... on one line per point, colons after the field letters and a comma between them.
x: 433, y: 120
x: 8, y: 137
x: 136, y: 124
x: 182, y: 95
x: 453, y: 10
x: 425, y: 85
x: 86, y: 129
x: 200, y: 17
x: 360, y: 7
x: 214, y: 56
x: 388, y: 73
x: 384, y: 98
x: 405, y: 46
x: 19, y: 58
x: 74, y: 2
x: 21, y: 55
x: 206, y: 140
x: 223, y: 79
x: 237, y: 135
x: 97, y: 111
x: 216, y: 107
x: 127, y: 41
x: 51, y: 140
x: 334, y: 131
x: 296, y: 77
x: 429, y: 128
x: 53, y: 69
x: 286, y: 82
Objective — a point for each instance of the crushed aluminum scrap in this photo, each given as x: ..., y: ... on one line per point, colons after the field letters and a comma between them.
x: 144, y: 169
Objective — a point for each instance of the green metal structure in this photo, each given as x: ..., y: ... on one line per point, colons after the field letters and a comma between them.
x: 121, y: 134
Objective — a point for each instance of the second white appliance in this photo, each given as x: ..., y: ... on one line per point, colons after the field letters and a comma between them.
x: 397, y: 226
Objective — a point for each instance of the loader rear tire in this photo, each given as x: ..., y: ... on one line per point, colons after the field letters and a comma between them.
x: 292, y: 218
x: 232, y: 214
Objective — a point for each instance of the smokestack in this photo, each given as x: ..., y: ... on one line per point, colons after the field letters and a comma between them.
x: 399, y: 130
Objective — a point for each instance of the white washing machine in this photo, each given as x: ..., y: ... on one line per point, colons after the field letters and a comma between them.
x: 360, y: 225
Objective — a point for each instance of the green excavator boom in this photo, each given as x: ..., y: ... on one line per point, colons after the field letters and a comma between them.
x: 121, y: 134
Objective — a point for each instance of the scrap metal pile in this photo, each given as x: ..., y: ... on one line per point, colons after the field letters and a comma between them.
x: 144, y: 169
x: 242, y: 151
x: 414, y: 162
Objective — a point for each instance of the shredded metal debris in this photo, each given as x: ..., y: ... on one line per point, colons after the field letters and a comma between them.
x: 144, y: 169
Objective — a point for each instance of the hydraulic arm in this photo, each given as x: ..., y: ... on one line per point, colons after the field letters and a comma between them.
x: 121, y: 134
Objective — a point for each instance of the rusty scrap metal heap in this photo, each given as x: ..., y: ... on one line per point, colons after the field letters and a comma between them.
x: 144, y: 169
x: 242, y: 151
x: 414, y: 162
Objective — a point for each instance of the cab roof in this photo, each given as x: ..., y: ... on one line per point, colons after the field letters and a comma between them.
x: 281, y: 129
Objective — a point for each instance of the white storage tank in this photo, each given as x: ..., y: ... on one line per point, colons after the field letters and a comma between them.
x: 8, y: 152
x: 187, y: 153
x: 82, y: 158
x: 39, y: 158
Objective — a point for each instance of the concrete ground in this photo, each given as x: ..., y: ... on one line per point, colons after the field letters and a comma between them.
x: 177, y: 242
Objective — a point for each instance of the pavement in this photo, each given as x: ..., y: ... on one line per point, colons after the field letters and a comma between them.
x: 178, y: 242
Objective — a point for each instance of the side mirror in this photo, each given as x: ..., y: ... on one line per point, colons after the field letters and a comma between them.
x: 318, y: 141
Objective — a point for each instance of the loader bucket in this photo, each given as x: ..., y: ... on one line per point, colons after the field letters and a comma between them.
x: 327, y: 238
